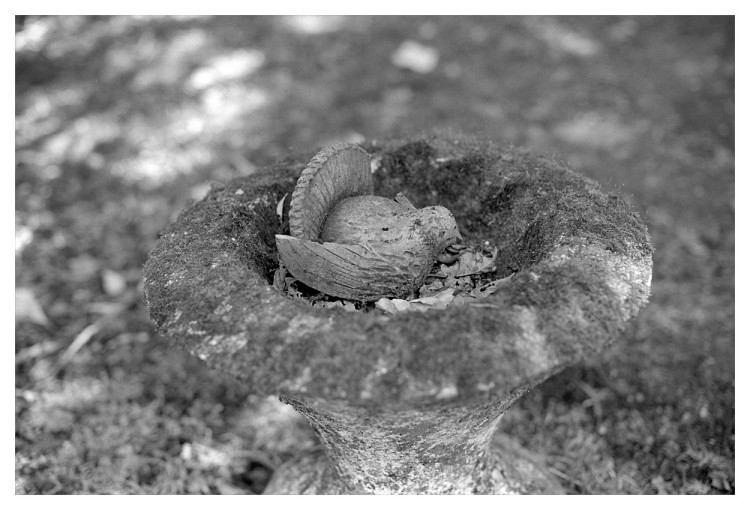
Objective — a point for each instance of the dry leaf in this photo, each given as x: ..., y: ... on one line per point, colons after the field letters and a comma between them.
x: 341, y: 303
x: 431, y: 288
x: 437, y: 302
x: 480, y: 292
x: 280, y: 207
x: 291, y: 288
x: 469, y: 263
x: 393, y: 305
x: 389, y: 305
x: 489, y: 288
x: 328, y: 304
x: 463, y: 284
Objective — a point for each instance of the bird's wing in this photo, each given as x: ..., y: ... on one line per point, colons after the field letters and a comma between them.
x: 354, y: 271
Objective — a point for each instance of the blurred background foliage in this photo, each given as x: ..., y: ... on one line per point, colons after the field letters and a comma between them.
x: 121, y: 122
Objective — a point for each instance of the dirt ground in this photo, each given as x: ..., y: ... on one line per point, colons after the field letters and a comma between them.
x: 122, y: 122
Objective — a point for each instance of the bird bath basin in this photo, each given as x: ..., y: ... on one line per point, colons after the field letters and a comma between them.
x: 409, y: 403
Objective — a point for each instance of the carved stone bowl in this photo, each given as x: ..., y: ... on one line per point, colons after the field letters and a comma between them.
x: 408, y: 403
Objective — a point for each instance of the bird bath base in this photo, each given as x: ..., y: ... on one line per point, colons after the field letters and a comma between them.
x: 448, y: 448
x: 409, y: 403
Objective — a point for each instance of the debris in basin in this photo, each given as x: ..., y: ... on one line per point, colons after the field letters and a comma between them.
x: 439, y: 301
x: 465, y: 281
x: 468, y: 263
x: 347, y: 305
x: 438, y: 293
x: 473, y: 297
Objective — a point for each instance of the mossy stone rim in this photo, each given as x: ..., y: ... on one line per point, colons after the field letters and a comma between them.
x: 581, y: 261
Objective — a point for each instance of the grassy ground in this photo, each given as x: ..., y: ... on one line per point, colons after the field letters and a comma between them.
x: 121, y: 122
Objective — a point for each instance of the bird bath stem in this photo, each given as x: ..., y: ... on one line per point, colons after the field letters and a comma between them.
x: 439, y: 449
x: 409, y: 403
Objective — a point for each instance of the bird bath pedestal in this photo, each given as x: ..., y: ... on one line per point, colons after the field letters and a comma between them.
x: 409, y: 403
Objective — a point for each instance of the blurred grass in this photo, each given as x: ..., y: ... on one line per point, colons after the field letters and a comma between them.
x: 121, y: 121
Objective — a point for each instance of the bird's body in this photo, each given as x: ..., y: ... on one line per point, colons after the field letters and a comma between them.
x: 381, y: 220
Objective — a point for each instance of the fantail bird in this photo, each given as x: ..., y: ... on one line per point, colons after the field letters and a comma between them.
x: 348, y: 243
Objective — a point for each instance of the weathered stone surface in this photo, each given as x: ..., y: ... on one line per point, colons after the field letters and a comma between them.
x: 581, y: 262
x: 438, y: 448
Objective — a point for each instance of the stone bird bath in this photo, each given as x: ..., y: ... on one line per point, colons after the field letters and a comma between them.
x: 409, y: 403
